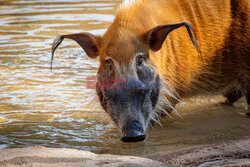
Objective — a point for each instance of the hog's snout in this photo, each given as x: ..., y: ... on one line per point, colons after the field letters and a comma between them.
x: 133, y: 132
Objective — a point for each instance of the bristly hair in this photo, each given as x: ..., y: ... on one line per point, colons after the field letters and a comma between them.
x: 164, y: 105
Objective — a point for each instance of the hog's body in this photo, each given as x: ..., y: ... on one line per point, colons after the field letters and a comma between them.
x: 134, y: 46
x: 223, y: 34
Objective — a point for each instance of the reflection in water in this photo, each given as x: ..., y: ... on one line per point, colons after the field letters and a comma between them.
x: 54, y: 108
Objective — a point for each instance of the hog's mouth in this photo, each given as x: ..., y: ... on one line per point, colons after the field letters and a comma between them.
x: 137, y: 138
x: 133, y: 132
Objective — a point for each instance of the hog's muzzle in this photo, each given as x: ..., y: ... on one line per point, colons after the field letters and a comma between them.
x: 133, y: 132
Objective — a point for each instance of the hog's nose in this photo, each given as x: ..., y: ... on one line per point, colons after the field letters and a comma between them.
x: 133, y: 132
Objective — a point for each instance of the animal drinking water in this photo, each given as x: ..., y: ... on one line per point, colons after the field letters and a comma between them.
x: 157, y: 52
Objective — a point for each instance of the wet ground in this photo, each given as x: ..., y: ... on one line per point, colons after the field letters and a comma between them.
x: 54, y: 108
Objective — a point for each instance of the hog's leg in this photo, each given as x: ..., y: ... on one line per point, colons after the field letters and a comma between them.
x: 232, y: 95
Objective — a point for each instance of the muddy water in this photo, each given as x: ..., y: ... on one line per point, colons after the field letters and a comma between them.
x: 54, y: 108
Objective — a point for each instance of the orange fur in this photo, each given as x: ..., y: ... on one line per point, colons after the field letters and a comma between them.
x: 151, y: 40
x: 223, y: 32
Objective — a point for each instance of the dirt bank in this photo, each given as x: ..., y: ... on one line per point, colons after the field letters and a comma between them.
x: 233, y: 153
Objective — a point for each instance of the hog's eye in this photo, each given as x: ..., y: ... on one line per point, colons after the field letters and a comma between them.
x: 140, y: 60
x: 141, y: 57
x: 108, y: 64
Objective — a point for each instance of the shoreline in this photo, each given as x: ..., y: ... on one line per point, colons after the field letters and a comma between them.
x: 235, y: 153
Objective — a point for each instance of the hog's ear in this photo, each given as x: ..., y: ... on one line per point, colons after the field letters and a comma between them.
x: 156, y: 36
x: 89, y: 42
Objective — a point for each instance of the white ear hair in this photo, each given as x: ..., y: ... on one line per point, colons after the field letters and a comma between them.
x: 127, y: 3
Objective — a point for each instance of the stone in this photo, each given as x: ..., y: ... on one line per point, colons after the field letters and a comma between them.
x: 58, y: 157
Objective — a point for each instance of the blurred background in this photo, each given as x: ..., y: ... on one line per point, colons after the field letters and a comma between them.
x: 54, y: 108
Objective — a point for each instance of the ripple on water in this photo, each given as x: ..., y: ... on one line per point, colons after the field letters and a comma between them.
x: 40, y: 106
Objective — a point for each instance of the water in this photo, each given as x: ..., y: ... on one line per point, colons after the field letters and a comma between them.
x: 55, y: 109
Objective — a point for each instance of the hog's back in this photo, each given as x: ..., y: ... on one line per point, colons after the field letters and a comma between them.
x: 223, y: 31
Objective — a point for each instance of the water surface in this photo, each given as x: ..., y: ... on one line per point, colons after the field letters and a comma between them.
x: 54, y: 108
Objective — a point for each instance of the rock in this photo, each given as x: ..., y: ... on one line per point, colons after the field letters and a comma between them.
x: 234, y: 153
x: 59, y: 157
